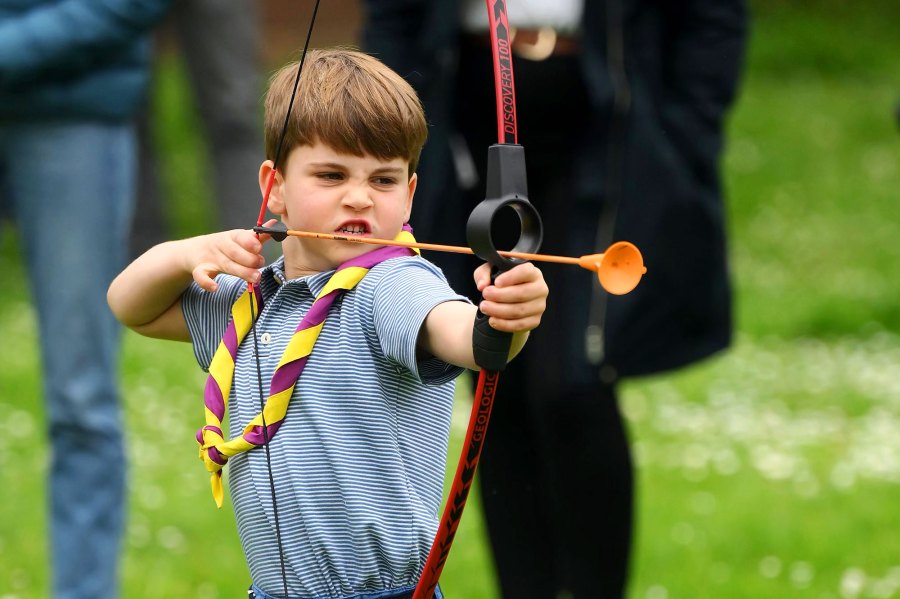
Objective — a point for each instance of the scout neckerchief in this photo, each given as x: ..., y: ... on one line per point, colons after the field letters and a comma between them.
x: 214, y: 449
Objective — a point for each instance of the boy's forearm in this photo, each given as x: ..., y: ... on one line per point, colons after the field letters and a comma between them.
x: 447, y: 335
x: 145, y: 296
x: 150, y: 285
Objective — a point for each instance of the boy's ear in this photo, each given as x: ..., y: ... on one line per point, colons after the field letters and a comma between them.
x: 276, y: 201
x: 413, y: 181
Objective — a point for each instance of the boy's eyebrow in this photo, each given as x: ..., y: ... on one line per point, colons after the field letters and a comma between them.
x: 339, y: 166
x: 390, y: 170
x: 332, y: 165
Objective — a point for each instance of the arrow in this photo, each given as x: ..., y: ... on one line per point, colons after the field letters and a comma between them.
x: 619, y: 269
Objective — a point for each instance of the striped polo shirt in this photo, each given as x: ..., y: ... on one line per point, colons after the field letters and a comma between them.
x: 359, y: 459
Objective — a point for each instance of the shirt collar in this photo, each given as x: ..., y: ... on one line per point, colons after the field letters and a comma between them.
x: 273, y: 278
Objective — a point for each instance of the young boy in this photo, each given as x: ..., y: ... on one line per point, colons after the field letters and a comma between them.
x: 359, y: 456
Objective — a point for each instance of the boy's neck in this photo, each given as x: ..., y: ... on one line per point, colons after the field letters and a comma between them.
x: 299, y: 262
x: 294, y: 270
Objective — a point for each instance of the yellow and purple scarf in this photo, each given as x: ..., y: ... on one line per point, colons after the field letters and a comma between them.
x: 214, y: 449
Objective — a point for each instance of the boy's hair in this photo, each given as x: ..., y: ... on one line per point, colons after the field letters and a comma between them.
x: 348, y: 101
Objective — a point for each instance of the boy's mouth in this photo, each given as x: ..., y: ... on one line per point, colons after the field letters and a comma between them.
x: 353, y: 228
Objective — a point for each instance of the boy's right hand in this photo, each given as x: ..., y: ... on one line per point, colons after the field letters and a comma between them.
x: 146, y: 295
x: 237, y: 252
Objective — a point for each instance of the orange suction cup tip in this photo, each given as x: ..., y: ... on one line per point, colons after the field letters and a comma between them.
x: 619, y: 269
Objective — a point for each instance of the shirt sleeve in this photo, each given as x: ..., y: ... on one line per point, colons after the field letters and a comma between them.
x: 207, y: 315
x: 408, y: 289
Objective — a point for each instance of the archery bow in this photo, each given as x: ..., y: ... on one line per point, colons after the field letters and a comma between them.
x: 506, y: 188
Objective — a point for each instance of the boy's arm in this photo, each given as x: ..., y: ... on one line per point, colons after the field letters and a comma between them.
x: 514, y: 303
x: 146, y: 296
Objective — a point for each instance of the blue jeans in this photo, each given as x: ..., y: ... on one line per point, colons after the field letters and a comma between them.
x: 69, y: 187
x: 256, y: 593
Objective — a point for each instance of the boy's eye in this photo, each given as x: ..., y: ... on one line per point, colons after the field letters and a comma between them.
x: 384, y: 181
x: 330, y: 176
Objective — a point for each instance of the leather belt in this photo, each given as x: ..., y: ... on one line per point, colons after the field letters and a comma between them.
x: 536, y: 44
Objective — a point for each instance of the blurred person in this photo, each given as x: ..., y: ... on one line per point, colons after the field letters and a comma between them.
x: 621, y: 107
x: 223, y: 66
x: 72, y: 75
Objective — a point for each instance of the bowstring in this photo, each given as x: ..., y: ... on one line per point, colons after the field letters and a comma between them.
x: 262, y: 212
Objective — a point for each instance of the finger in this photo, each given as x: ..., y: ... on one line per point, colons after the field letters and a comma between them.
x: 521, y: 292
x: 521, y: 273
x: 240, y: 264
x: 516, y: 311
x: 203, y: 275
x: 244, y: 253
x: 514, y: 326
x: 482, y: 276
x: 230, y: 257
x: 246, y: 239
x: 247, y: 272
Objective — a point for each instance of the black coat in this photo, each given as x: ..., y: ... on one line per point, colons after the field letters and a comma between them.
x: 650, y: 160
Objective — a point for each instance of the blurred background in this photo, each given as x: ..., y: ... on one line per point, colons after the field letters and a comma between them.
x: 770, y: 471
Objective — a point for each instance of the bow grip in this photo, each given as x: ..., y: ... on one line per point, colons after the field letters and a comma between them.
x: 490, y: 346
x: 506, y: 189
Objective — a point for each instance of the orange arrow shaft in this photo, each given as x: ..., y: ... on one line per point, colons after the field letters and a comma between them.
x: 432, y: 246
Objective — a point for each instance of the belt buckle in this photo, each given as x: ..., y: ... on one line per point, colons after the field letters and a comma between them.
x: 541, y: 49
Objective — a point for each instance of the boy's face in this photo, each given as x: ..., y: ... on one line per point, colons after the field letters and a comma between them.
x: 325, y: 191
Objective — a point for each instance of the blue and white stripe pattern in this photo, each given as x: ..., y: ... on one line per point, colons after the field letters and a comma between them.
x: 359, y: 461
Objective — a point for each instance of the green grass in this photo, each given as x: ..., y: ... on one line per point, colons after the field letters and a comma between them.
x: 784, y: 452
x: 772, y: 471
x: 812, y: 168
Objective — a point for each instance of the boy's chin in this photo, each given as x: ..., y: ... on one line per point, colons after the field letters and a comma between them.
x: 349, y: 251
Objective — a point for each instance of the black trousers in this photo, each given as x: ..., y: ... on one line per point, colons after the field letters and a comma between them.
x: 556, y: 487
x: 556, y: 472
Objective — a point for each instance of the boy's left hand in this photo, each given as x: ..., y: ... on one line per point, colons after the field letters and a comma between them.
x: 517, y: 299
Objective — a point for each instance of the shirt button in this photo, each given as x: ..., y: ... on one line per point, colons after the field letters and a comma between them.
x: 266, y: 338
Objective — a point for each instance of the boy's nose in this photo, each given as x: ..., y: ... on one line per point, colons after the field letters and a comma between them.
x: 357, y: 198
